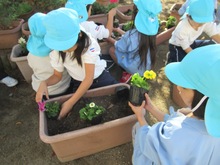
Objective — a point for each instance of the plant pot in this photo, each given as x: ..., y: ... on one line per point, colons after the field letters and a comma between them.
x: 136, y: 95
x: 96, y: 120
x: 120, y: 13
x: 164, y: 36
x: 9, y: 38
x: 21, y: 62
x: 86, y: 141
x: 99, y: 18
x: 25, y: 29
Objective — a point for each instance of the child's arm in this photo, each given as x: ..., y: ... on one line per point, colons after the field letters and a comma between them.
x: 140, y: 111
x: 189, y: 49
x: 42, y: 89
x: 119, y: 30
x: 110, y: 21
x: 84, y: 86
x: 159, y: 115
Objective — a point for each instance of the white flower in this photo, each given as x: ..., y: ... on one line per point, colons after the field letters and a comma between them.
x: 92, y: 104
x: 21, y: 41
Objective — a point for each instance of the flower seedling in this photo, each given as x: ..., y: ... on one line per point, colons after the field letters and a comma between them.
x: 22, y: 42
x: 141, y: 81
x: 52, y: 109
x: 91, y: 111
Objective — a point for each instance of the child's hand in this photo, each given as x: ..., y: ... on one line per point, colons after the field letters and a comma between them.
x: 41, y: 91
x: 138, y: 110
x: 148, y: 103
x: 66, y: 108
x: 112, y: 12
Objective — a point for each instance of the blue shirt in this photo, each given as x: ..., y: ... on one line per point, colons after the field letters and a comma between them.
x: 126, y: 48
x: 178, y: 141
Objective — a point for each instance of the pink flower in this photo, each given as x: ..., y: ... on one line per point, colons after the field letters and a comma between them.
x: 41, y: 106
x: 114, y: 1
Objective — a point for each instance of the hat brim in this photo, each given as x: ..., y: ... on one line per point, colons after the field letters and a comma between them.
x: 175, y: 74
x: 146, y: 25
x: 60, y: 45
x: 212, y: 117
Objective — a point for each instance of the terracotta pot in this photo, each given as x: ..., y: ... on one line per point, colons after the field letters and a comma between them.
x: 136, y: 95
x: 164, y: 36
x: 25, y: 29
x: 120, y: 13
x: 9, y: 38
x: 21, y: 62
x: 79, y: 143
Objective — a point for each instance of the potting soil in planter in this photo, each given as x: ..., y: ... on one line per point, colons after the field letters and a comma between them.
x: 116, y: 107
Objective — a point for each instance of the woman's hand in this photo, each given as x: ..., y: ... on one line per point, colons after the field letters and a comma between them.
x: 41, y: 91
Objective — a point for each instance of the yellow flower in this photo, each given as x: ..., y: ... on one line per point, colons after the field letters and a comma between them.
x: 92, y: 104
x: 150, y: 74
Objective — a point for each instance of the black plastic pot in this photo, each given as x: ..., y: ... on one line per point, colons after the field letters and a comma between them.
x: 136, y: 95
x: 96, y: 120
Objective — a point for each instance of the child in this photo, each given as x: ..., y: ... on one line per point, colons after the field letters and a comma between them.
x: 136, y: 50
x: 199, y: 18
x: 179, y: 139
x: 39, y: 60
x: 83, y: 8
x: 79, y: 54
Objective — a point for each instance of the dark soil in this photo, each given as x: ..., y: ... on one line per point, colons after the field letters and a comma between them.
x: 115, y: 108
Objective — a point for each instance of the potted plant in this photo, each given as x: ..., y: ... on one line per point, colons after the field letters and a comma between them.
x: 19, y: 56
x: 99, y: 12
x: 86, y: 141
x: 10, y: 24
x: 92, y: 113
x: 140, y: 86
x: 25, y: 10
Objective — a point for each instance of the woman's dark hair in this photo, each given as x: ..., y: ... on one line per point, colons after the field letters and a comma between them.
x: 201, y: 110
x: 83, y: 43
x: 145, y: 43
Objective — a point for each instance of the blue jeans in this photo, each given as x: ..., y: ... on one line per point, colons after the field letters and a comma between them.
x: 177, y: 53
x: 103, y: 80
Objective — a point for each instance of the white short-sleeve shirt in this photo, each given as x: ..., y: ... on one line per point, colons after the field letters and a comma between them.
x: 77, y: 72
x: 184, y: 34
x: 97, y: 31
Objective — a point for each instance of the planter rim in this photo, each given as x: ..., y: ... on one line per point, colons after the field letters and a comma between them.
x: 15, y: 59
x: 69, y: 135
x: 19, y: 22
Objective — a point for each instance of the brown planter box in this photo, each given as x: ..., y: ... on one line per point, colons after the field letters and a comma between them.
x: 120, y: 13
x: 99, y: 18
x: 21, y: 62
x: 164, y: 36
x: 105, y: 46
x: 9, y: 38
x: 75, y: 144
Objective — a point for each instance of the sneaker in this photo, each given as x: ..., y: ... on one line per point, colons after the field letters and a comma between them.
x: 9, y: 81
x: 125, y: 77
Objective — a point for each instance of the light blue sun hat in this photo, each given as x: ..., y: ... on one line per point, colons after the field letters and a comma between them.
x: 35, y: 43
x: 62, y: 29
x: 201, y: 11
x: 146, y: 20
x: 199, y: 70
x: 80, y: 7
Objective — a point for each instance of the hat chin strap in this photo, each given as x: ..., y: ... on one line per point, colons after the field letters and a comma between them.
x: 200, y: 102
